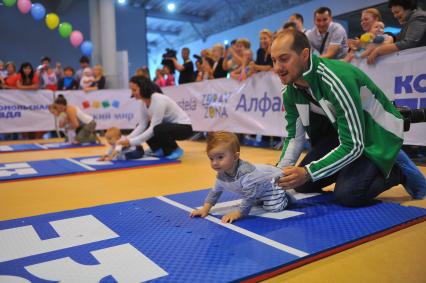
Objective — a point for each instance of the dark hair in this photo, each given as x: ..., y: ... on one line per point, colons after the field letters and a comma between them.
x: 69, y: 68
x: 406, y: 4
x: 300, y: 40
x: 84, y: 59
x: 26, y: 79
x: 298, y: 16
x: 187, y: 49
x: 288, y: 25
x: 45, y: 58
x: 145, y: 86
x: 322, y: 10
x: 61, y: 100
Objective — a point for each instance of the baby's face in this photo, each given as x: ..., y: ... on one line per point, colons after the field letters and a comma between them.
x: 112, y: 139
x: 222, y: 159
x: 378, y: 28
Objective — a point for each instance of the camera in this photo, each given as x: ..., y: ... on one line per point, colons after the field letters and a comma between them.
x: 198, y: 57
x: 170, y: 53
x: 412, y: 116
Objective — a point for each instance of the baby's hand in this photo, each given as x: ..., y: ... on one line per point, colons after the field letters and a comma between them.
x: 199, y: 212
x: 102, y: 158
x: 230, y: 217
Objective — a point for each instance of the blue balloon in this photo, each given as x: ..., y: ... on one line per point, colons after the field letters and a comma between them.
x: 86, y: 48
x: 38, y: 11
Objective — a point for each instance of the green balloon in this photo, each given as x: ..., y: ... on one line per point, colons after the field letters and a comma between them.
x: 9, y: 3
x: 65, y: 29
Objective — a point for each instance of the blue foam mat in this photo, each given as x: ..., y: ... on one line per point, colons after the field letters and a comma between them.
x: 198, y: 250
x: 55, y: 167
x: 42, y: 146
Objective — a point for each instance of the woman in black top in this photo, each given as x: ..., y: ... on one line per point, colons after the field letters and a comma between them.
x: 218, y: 71
x: 99, y: 81
x: 263, y: 60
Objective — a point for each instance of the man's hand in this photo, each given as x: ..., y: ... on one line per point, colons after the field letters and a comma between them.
x: 293, y: 177
x: 371, y: 59
x: 228, y: 218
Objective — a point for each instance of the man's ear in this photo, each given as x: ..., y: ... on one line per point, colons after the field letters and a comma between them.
x: 305, y: 55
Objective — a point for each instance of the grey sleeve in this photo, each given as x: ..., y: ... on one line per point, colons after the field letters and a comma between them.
x: 249, y: 199
x: 413, y: 35
x: 214, y: 194
x: 337, y: 37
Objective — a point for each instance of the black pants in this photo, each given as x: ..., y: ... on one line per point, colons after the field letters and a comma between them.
x: 357, y: 184
x: 166, y: 135
x: 135, y: 154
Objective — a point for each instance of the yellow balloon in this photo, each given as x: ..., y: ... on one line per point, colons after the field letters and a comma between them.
x: 366, y: 37
x: 52, y: 20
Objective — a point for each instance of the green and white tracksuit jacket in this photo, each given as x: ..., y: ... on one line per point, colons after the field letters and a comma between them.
x: 366, y: 121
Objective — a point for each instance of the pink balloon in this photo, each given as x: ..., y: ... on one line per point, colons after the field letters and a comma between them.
x: 24, y: 6
x: 76, y: 38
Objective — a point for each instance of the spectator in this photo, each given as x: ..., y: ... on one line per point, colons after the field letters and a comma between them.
x: 144, y: 71
x: 187, y: 69
x: 170, y: 78
x: 290, y: 25
x: 217, y: 55
x: 368, y: 18
x: 413, y: 31
x: 11, y: 79
x: 206, y: 72
x: 3, y: 71
x: 84, y: 63
x: 87, y: 78
x: 263, y: 58
x: 48, y: 78
x: 27, y: 78
x: 371, y: 40
x: 199, y: 65
x: 244, y: 71
x: 327, y: 37
x: 236, y: 51
x: 68, y: 82
x: 159, y: 78
x: 98, y: 81
x: 298, y: 20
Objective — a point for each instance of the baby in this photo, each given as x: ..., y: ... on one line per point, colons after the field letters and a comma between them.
x: 63, y: 123
x: 87, y: 78
x: 371, y: 39
x: 116, y: 151
x: 254, y: 183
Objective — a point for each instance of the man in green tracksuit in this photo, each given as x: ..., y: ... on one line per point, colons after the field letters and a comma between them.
x: 355, y: 132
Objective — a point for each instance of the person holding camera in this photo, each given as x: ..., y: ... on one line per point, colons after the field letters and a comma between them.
x: 355, y: 131
x: 187, y: 69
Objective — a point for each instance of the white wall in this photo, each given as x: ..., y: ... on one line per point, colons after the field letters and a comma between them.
x: 273, y: 22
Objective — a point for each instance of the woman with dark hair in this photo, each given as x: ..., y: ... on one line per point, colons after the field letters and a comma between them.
x: 83, y: 124
x: 27, y: 78
x: 413, y: 29
x: 11, y: 79
x: 162, y: 121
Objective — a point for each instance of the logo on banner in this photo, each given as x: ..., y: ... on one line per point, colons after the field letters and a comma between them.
x: 96, y: 104
x: 263, y: 104
x: 20, y: 169
x: 215, y: 105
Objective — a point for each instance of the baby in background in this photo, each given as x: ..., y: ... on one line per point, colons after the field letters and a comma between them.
x: 63, y: 123
x: 254, y: 183
x: 116, y: 151
x: 371, y: 39
x: 87, y: 78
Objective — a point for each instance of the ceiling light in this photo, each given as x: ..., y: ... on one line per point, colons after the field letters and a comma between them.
x: 121, y: 2
x: 171, y: 7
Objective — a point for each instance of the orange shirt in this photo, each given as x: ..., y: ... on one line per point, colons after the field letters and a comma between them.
x: 11, y: 81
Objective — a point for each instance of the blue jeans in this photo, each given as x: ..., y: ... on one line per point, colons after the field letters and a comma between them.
x: 357, y: 184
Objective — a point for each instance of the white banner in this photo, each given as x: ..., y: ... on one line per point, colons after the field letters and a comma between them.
x: 251, y: 107
x: 25, y: 111
x: 402, y: 76
x: 109, y: 108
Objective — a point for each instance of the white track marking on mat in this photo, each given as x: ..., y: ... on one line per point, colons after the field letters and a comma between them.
x: 41, y: 146
x: 242, y: 231
x: 95, y: 161
x: 80, y: 164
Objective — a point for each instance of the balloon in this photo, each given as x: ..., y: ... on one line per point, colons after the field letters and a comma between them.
x: 24, y: 6
x: 65, y: 29
x: 86, y: 48
x: 9, y: 3
x: 38, y: 11
x: 76, y: 38
x: 366, y: 37
x: 52, y: 20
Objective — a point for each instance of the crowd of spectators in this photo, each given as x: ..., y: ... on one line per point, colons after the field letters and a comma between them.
x: 46, y: 76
